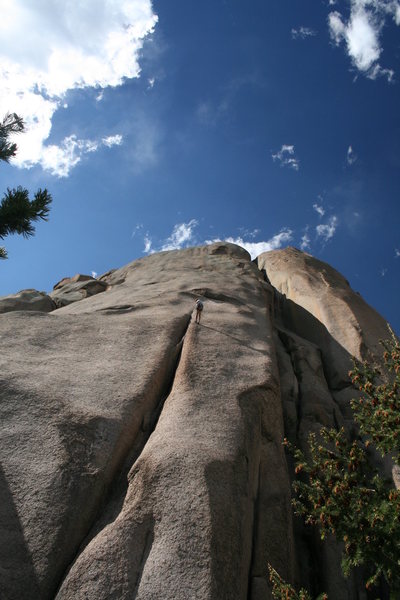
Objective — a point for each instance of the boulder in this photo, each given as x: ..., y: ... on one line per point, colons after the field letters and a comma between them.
x: 30, y: 300
x: 75, y: 279
x: 76, y: 288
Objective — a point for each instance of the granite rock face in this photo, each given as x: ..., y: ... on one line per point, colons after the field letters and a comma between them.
x: 141, y: 453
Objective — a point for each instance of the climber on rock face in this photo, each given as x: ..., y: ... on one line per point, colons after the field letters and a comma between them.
x: 199, y: 308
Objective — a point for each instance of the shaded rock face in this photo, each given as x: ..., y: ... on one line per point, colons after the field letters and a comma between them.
x: 141, y: 453
x: 326, y: 294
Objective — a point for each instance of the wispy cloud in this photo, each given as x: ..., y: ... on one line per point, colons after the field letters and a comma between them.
x: 182, y: 235
x: 60, y: 159
x: 396, y: 253
x: 361, y: 33
x: 351, y: 157
x: 136, y: 229
x: 383, y: 271
x: 112, y: 140
x: 303, y: 33
x: 286, y: 157
x: 50, y: 48
x: 147, y: 244
x: 144, y: 145
x: 94, y: 274
x: 211, y: 112
x: 257, y: 248
x: 327, y: 230
x: 305, y: 242
x: 319, y: 209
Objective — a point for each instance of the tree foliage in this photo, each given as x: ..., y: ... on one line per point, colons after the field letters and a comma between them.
x: 11, y: 123
x: 17, y: 212
x: 340, y: 491
x: 284, y: 591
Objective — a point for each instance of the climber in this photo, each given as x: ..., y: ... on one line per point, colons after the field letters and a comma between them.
x: 199, y: 308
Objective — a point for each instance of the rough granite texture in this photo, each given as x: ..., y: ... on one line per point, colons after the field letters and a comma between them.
x: 141, y: 453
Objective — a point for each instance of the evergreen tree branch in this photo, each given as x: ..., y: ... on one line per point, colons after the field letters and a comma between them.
x: 17, y: 212
x: 11, y: 124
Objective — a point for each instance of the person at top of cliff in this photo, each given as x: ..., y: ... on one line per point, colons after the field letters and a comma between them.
x: 199, y: 308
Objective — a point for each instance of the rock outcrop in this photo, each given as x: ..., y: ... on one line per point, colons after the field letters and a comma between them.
x: 73, y: 289
x: 142, y: 453
x: 27, y: 300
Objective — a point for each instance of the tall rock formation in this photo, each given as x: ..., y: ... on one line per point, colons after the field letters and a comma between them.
x: 142, y: 453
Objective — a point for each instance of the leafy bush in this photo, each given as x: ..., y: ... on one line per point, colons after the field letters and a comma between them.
x: 340, y: 491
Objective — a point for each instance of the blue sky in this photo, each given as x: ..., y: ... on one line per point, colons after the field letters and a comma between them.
x: 163, y: 125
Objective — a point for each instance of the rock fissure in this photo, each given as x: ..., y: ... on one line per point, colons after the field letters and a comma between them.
x: 298, y: 398
x: 255, y: 523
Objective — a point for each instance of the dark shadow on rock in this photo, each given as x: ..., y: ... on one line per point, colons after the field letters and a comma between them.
x: 336, y: 359
x: 232, y: 489
x: 18, y: 580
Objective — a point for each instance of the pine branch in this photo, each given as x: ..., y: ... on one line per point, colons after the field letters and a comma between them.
x: 17, y: 212
x: 11, y: 124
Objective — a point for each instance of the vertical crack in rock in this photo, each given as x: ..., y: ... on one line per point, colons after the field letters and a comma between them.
x: 298, y: 400
x: 256, y: 516
x: 117, y: 489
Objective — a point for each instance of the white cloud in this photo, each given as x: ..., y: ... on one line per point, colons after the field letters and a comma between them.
x: 151, y: 82
x: 383, y: 271
x: 257, y: 248
x: 286, y: 157
x: 49, y: 48
x: 319, y: 209
x: 94, y: 274
x: 305, y: 242
x: 60, y: 159
x: 303, y: 33
x: 100, y: 96
x: 181, y: 236
x: 361, y: 33
x: 147, y: 244
x: 326, y: 231
x: 396, y: 253
x: 351, y: 156
x: 112, y: 140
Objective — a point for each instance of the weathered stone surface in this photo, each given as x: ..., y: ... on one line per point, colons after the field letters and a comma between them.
x: 83, y: 405
x: 75, y: 279
x: 76, y: 288
x: 141, y: 453
x: 31, y: 300
x: 326, y: 294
